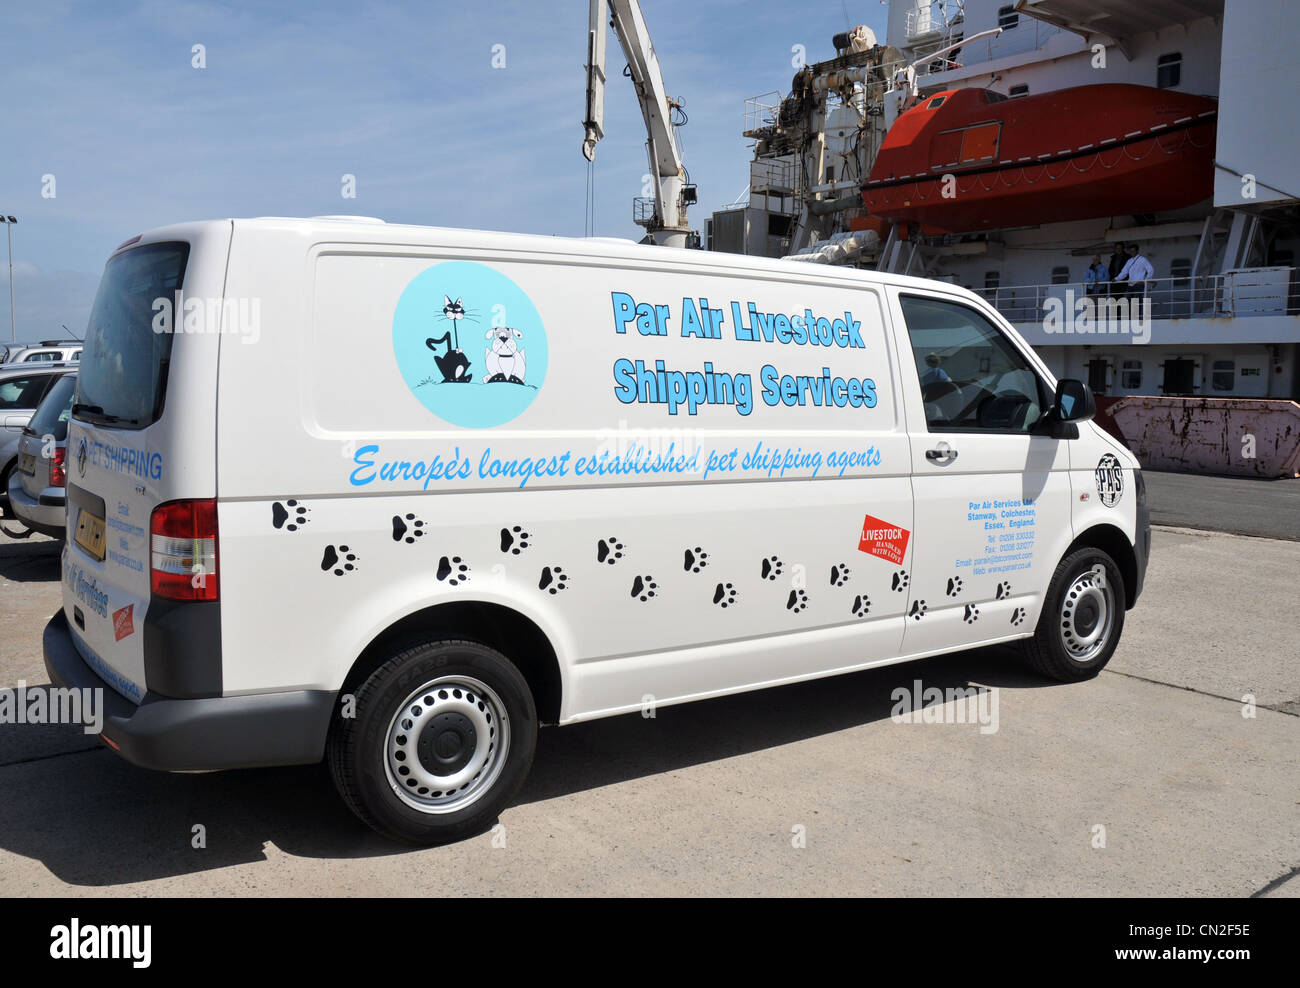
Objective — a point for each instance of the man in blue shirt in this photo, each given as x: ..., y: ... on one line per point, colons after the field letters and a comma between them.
x: 934, y: 373
x: 1095, y: 277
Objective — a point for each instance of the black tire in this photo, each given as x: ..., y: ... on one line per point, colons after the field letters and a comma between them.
x: 1070, y: 616
x: 394, y: 728
x: 5, y: 510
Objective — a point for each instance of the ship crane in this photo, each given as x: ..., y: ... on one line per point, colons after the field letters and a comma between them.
x: 664, y: 214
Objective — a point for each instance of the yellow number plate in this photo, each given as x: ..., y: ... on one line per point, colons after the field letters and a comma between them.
x: 90, y: 533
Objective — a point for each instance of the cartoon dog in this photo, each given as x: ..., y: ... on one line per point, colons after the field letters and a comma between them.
x: 505, y: 358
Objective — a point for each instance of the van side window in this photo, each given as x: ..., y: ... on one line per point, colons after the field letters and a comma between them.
x: 972, y: 378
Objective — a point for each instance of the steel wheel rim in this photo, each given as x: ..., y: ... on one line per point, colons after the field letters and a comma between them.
x: 1087, y: 615
x: 446, y: 745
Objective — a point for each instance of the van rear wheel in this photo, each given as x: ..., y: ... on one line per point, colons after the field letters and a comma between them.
x: 1082, y: 618
x: 444, y: 735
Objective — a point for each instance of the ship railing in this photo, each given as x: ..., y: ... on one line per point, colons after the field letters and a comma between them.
x: 1028, y: 35
x: 762, y: 112
x: 1245, y: 292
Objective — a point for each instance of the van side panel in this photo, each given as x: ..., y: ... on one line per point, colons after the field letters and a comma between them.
x: 676, y: 530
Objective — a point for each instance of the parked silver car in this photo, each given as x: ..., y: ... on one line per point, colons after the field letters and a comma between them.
x: 38, y: 484
x: 47, y: 352
x: 21, y: 389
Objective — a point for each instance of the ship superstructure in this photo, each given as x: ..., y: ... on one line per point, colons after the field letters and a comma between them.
x: 1003, y: 146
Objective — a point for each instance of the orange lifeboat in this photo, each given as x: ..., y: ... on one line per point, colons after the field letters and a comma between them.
x: 1069, y: 154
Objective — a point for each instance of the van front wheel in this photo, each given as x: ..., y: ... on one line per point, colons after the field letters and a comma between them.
x: 443, y: 735
x: 1082, y: 618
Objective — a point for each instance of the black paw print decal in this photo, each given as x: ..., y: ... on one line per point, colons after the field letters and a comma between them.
x: 724, y: 595
x: 644, y: 587
x: 972, y: 614
x: 695, y: 560
x: 797, y: 601
x: 453, y: 570
x: 290, y: 516
x: 514, y: 540
x: 609, y: 550
x: 839, y: 574
x: 1018, y: 615
x: 553, y: 580
x: 918, y: 610
x: 954, y: 586
x: 1003, y: 591
x: 771, y: 568
x: 402, y: 532
x: 339, y: 559
x: 900, y: 581
x: 861, y: 605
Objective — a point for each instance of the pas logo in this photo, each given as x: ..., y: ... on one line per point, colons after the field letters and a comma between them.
x: 1110, y: 480
x: 123, y: 626
x: 883, y: 540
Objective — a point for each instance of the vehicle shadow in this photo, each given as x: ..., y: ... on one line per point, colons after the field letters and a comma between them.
x: 94, y: 820
x: 34, y: 559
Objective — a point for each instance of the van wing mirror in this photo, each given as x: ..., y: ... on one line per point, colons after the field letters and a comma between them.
x: 1073, y: 402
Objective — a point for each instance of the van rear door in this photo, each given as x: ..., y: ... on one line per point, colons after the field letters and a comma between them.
x: 136, y: 440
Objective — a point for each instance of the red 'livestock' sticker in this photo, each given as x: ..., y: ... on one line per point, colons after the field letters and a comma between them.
x: 879, y: 538
x: 122, y: 623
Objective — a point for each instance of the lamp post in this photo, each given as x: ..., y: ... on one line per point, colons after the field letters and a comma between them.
x: 9, y: 222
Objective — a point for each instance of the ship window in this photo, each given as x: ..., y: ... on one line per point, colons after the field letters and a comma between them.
x: 830, y: 173
x: 1169, y: 70
x: 935, y: 103
x: 1020, y: 90
x: 1180, y: 269
x: 1131, y: 378
x: 1097, y: 375
x: 1007, y: 18
x: 1222, y: 375
x: 778, y: 225
x: 1180, y: 376
x: 1060, y: 276
x: 992, y: 279
x: 993, y: 97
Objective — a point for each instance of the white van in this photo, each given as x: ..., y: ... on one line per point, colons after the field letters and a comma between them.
x: 562, y: 480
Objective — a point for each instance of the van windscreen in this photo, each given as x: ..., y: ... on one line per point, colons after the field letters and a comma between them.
x: 123, y: 358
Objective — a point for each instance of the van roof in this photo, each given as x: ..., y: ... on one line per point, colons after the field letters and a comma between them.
x: 363, y: 229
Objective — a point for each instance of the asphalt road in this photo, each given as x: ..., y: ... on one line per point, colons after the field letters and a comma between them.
x: 1240, y: 505
x: 1154, y: 759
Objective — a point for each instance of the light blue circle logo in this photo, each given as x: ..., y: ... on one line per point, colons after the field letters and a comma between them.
x: 469, y: 344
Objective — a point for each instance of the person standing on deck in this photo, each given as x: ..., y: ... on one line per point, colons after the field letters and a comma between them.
x: 1136, y: 272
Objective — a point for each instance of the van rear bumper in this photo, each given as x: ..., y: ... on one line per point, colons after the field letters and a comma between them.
x: 222, y: 732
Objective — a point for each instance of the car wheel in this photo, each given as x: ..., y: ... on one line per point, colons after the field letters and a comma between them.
x: 1082, y: 618
x: 443, y: 735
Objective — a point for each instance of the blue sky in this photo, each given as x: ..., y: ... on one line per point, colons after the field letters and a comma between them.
x: 402, y: 95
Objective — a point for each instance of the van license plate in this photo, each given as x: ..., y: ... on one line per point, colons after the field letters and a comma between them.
x: 27, y: 464
x: 90, y: 533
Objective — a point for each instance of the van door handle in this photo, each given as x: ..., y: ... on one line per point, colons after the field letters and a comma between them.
x: 941, y: 455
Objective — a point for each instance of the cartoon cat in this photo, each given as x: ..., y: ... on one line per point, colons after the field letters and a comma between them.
x: 505, y: 358
x: 453, y: 363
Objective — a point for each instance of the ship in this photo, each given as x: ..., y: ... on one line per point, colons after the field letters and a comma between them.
x: 1002, y: 146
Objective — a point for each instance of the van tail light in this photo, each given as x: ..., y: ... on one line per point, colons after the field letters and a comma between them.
x: 59, y: 475
x: 183, y: 550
